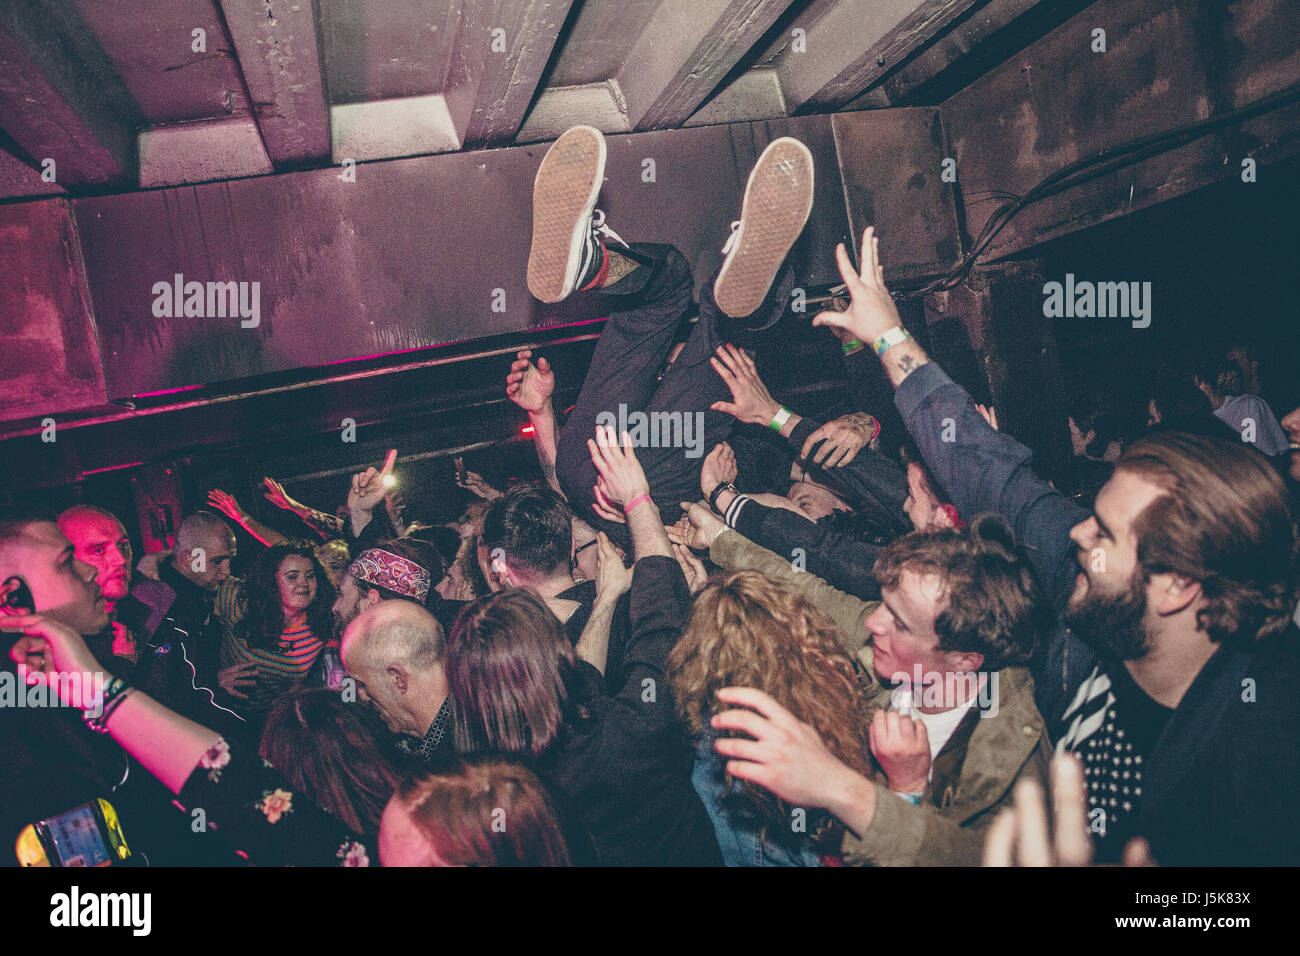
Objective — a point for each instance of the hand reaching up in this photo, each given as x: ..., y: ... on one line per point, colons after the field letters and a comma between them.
x: 530, y: 386
x: 719, y: 465
x: 871, y: 311
x: 751, y: 402
x: 368, y: 487
x: 621, y: 478
x: 226, y: 504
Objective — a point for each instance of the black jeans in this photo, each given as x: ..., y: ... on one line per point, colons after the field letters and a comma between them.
x: 646, y: 308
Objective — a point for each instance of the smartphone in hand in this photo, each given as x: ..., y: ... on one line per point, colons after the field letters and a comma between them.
x: 460, y: 471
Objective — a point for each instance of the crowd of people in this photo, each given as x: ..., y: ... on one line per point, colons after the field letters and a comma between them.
x: 714, y: 632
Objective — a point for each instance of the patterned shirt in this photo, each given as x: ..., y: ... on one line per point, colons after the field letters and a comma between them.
x: 436, y: 742
x: 279, y: 670
x: 250, y: 805
x: 1112, y: 725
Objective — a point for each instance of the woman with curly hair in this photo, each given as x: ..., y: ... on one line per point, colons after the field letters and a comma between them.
x: 750, y: 631
x: 275, y: 625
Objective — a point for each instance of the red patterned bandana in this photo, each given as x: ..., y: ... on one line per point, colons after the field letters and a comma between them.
x: 386, y: 570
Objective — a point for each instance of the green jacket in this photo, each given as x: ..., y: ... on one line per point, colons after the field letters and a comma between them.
x: 972, y: 776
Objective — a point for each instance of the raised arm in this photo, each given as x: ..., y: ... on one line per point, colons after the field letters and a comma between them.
x: 734, y: 552
x: 530, y: 387
x: 612, y: 581
x: 276, y: 827
x: 327, y: 526
x: 981, y: 469
x: 228, y: 506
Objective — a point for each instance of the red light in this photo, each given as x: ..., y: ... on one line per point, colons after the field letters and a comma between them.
x: 527, y: 431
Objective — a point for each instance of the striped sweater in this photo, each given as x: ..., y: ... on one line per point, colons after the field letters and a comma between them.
x: 278, y: 671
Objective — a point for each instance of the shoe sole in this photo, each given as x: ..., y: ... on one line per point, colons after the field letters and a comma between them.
x: 778, y: 200
x: 564, y: 195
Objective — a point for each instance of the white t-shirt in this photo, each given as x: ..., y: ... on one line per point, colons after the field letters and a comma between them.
x: 1268, y: 434
x: 938, y: 727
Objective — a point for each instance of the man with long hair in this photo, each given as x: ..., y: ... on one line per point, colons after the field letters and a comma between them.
x: 1181, y: 583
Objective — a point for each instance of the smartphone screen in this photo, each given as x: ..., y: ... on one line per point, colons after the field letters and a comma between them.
x: 77, y: 839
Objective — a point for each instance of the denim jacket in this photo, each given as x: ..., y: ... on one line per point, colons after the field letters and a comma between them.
x: 745, y: 839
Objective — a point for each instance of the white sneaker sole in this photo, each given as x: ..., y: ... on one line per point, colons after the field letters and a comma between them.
x: 778, y: 201
x: 564, y: 195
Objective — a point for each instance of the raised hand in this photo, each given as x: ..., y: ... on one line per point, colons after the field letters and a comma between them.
x: 368, y: 487
x: 226, y: 504
x: 750, y: 400
x: 990, y: 415
x: 841, y: 439
x: 474, y: 483
x: 621, y: 478
x: 530, y: 386
x: 606, y: 508
x: 276, y: 494
x: 901, y: 746
x: 871, y: 311
x: 719, y: 465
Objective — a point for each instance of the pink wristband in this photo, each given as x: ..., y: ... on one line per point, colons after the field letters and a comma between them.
x: 627, y: 508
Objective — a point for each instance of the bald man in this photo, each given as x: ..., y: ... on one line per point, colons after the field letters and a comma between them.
x: 395, y: 652
x: 177, y: 627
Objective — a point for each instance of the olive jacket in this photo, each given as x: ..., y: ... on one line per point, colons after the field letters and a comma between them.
x: 972, y: 776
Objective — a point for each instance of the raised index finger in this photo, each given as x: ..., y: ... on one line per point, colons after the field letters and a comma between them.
x: 389, y: 462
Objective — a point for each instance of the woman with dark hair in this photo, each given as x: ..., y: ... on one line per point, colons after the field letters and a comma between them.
x: 619, y: 762
x: 474, y: 811
x: 332, y: 751
x: 750, y: 631
x: 275, y: 625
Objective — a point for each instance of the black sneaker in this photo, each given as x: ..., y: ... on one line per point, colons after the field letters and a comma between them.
x: 778, y: 200
x: 568, y: 249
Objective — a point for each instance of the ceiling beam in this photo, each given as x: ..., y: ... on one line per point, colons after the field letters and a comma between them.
x: 982, y: 38
x: 685, y: 51
x: 61, y: 100
x: 848, y: 46
x: 493, y: 75
x: 278, y: 46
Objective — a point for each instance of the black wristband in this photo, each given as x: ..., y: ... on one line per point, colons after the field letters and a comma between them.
x: 718, y: 489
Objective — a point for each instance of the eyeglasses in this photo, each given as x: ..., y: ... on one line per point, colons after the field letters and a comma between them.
x: 582, y: 547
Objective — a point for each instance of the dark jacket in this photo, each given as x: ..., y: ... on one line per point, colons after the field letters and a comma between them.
x: 983, y: 470
x: 874, y: 485
x: 179, y: 639
x: 624, y: 769
x: 1220, y: 781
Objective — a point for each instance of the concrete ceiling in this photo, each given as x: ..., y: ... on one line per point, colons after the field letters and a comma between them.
x: 115, y: 95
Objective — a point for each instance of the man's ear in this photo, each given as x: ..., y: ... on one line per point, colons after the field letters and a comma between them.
x: 398, y: 677
x: 1170, y: 594
x: 371, y: 599
x: 965, y: 662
